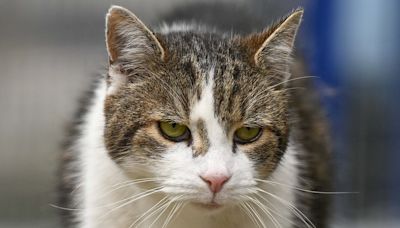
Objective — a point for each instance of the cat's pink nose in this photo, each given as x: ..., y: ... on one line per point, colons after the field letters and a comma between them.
x: 215, y: 182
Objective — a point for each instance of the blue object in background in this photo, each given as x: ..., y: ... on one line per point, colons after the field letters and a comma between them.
x: 354, y: 50
x: 319, y: 26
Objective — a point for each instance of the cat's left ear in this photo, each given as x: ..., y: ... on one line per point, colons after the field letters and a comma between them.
x: 273, y: 46
x: 128, y: 38
x: 130, y: 44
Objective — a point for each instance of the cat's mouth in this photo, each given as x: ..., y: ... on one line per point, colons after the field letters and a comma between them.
x: 209, y: 206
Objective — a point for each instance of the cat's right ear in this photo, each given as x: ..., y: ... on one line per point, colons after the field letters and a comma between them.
x: 272, y: 48
x: 128, y: 39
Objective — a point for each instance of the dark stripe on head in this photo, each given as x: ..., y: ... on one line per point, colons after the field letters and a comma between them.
x: 120, y: 146
x: 147, y: 146
x: 282, y: 138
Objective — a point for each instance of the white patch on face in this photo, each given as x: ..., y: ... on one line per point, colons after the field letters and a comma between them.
x: 218, y: 157
x: 183, y: 172
x: 204, y: 110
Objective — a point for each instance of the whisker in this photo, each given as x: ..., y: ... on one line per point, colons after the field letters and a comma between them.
x: 257, y: 216
x: 100, y: 206
x: 134, y: 198
x: 304, y: 190
x: 181, y: 208
x: 294, y: 209
x: 144, y: 180
x: 161, y: 207
x: 124, y: 184
x: 161, y: 213
x: 296, y: 214
x: 161, y: 202
x: 134, y: 180
x: 264, y: 208
x: 65, y: 208
x: 291, y: 80
x: 274, y: 210
x: 171, y: 214
x: 248, y: 213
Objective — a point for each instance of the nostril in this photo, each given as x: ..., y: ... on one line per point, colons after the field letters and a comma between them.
x: 215, y: 183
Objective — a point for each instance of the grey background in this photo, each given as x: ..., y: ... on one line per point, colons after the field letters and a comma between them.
x: 49, y: 51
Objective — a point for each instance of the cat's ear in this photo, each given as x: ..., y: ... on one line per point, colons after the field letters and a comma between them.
x: 273, y: 46
x: 127, y: 37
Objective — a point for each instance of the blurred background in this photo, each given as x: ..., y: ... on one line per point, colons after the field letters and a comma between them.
x: 50, y: 50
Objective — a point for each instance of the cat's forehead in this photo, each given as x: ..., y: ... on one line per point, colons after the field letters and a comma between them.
x: 202, y: 47
x: 198, y: 53
x: 200, y: 57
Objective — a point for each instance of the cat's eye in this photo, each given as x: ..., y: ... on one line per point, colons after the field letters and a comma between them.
x: 245, y: 135
x: 174, y: 131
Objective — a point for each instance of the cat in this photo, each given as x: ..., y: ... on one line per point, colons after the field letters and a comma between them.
x: 192, y: 127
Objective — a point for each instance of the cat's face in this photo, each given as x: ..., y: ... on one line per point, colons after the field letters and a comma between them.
x: 201, y: 114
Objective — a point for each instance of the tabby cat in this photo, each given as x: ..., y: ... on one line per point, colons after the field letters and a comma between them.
x: 196, y: 128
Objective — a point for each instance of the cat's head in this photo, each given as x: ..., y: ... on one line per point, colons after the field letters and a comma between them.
x: 200, y: 114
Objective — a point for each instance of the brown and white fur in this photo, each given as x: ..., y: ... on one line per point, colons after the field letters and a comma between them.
x: 120, y: 172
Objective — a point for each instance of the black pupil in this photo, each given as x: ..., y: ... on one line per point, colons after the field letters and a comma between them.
x: 173, y: 125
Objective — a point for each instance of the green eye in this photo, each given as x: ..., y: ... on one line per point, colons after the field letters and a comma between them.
x: 174, y: 132
x: 245, y: 135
